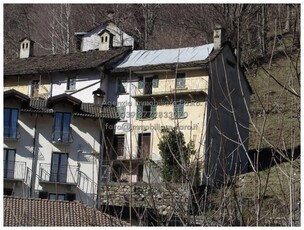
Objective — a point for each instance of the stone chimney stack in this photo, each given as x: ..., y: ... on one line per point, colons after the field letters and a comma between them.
x: 218, y: 37
x: 26, y: 48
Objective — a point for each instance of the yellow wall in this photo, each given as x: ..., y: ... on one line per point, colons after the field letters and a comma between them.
x: 22, y: 83
x: 196, y: 112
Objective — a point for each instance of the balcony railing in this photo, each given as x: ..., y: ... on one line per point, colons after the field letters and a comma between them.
x: 168, y: 86
x: 11, y: 133
x: 53, y: 173
x: 14, y: 170
x: 62, y: 137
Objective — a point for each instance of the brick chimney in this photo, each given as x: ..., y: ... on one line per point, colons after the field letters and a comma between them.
x: 218, y: 37
x: 26, y: 48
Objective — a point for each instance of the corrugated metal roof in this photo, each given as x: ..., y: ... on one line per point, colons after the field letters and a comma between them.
x: 166, y: 56
x: 19, y: 211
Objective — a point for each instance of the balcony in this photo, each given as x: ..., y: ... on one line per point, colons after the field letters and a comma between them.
x: 11, y: 133
x: 167, y: 87
x: 14, y: 171
x: 58, y: 174
x: 62, y: 137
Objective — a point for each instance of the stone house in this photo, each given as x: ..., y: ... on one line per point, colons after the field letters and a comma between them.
x: 202, y: 90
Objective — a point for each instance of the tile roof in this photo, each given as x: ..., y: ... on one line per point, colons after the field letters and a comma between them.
x: 41, y: 212
x: 65, y: 62
x: 86, y: 110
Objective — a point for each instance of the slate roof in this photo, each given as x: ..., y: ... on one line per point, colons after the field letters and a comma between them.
x: 66, y: 62
x: 41, y: 212
x: 86, y: 110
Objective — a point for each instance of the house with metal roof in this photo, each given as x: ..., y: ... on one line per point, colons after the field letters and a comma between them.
x: 201, y: 90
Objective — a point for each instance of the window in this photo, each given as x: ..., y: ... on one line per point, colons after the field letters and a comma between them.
x: 35, y: 88
x: 71, y: 84
x: 9, y: 163
x: 119, y: 145
x: 180, y: 81
x: 146, y: 110
x: 144, y: 145
x: 11, y: 123
x: 54, y: 196
x: 178, y: 110
x: 121, y: 111
x: 59, y: 167
x: 62, y: 128
x: 147, y: 83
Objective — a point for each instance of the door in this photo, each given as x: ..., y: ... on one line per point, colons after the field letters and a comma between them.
x: 9, y: 163
x: 59, y: 167
x: 144, y: 145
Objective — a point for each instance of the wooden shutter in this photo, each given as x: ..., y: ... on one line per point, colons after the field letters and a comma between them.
x: 155, y: 81
x: 140, y: 83
x: 139, y: 111
x: 153, y: 111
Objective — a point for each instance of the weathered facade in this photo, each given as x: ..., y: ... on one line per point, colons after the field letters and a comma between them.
x: 200, y: 90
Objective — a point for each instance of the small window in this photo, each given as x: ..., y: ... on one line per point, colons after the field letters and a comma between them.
x: 146, y: 110
x: 121, y: 111
x: 180, y: 81
x: 178, y: 110
x: 23, y: 45
x: 101, y: 39
x: 26, y: 45
x: 119, y: 145
x: 71, y: 84
x: 106, y: 39
x: 43, y: 195
x: 9, y: 163
x: 35, y: 88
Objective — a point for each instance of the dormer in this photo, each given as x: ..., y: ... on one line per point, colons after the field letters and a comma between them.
x: 106, y: 40
x: 26, y: 48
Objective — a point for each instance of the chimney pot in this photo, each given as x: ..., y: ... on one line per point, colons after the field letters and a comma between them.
x: 26, y: 48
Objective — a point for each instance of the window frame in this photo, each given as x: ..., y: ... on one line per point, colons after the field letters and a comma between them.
x: 12, y: 131
x: 178, y: 114
x: 71, y: 79
x: 62, y: 128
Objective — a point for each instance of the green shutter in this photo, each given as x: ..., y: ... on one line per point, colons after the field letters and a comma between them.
x: 153, y: 111
x: 178, y: 110
x: 140, y: 83
x: 139, y: 111
x: 155, y: 81
x: 180, y: 80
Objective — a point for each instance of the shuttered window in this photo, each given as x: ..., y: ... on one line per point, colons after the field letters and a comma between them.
x: 119, y: 145
x: 180, y: 81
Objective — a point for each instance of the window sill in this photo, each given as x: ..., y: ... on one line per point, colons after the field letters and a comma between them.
x: 70, y: 90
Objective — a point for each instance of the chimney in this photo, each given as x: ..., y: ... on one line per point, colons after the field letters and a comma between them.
x: 26, y: 48
x: 98, y: 97
x: 110, y: 15
x: 106, y: 40
x: 218, y: 37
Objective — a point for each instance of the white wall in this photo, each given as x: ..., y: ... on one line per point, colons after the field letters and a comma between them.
x: 83, y: 79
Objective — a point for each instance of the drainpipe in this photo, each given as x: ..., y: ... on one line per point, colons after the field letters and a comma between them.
x: 34, y: 162
x: 100, y: 171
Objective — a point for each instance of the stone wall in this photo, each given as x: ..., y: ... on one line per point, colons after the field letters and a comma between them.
x: 163, y: 197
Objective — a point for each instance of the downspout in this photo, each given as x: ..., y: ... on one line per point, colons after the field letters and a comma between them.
x: 100, y: 163
x: 34, y: 162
